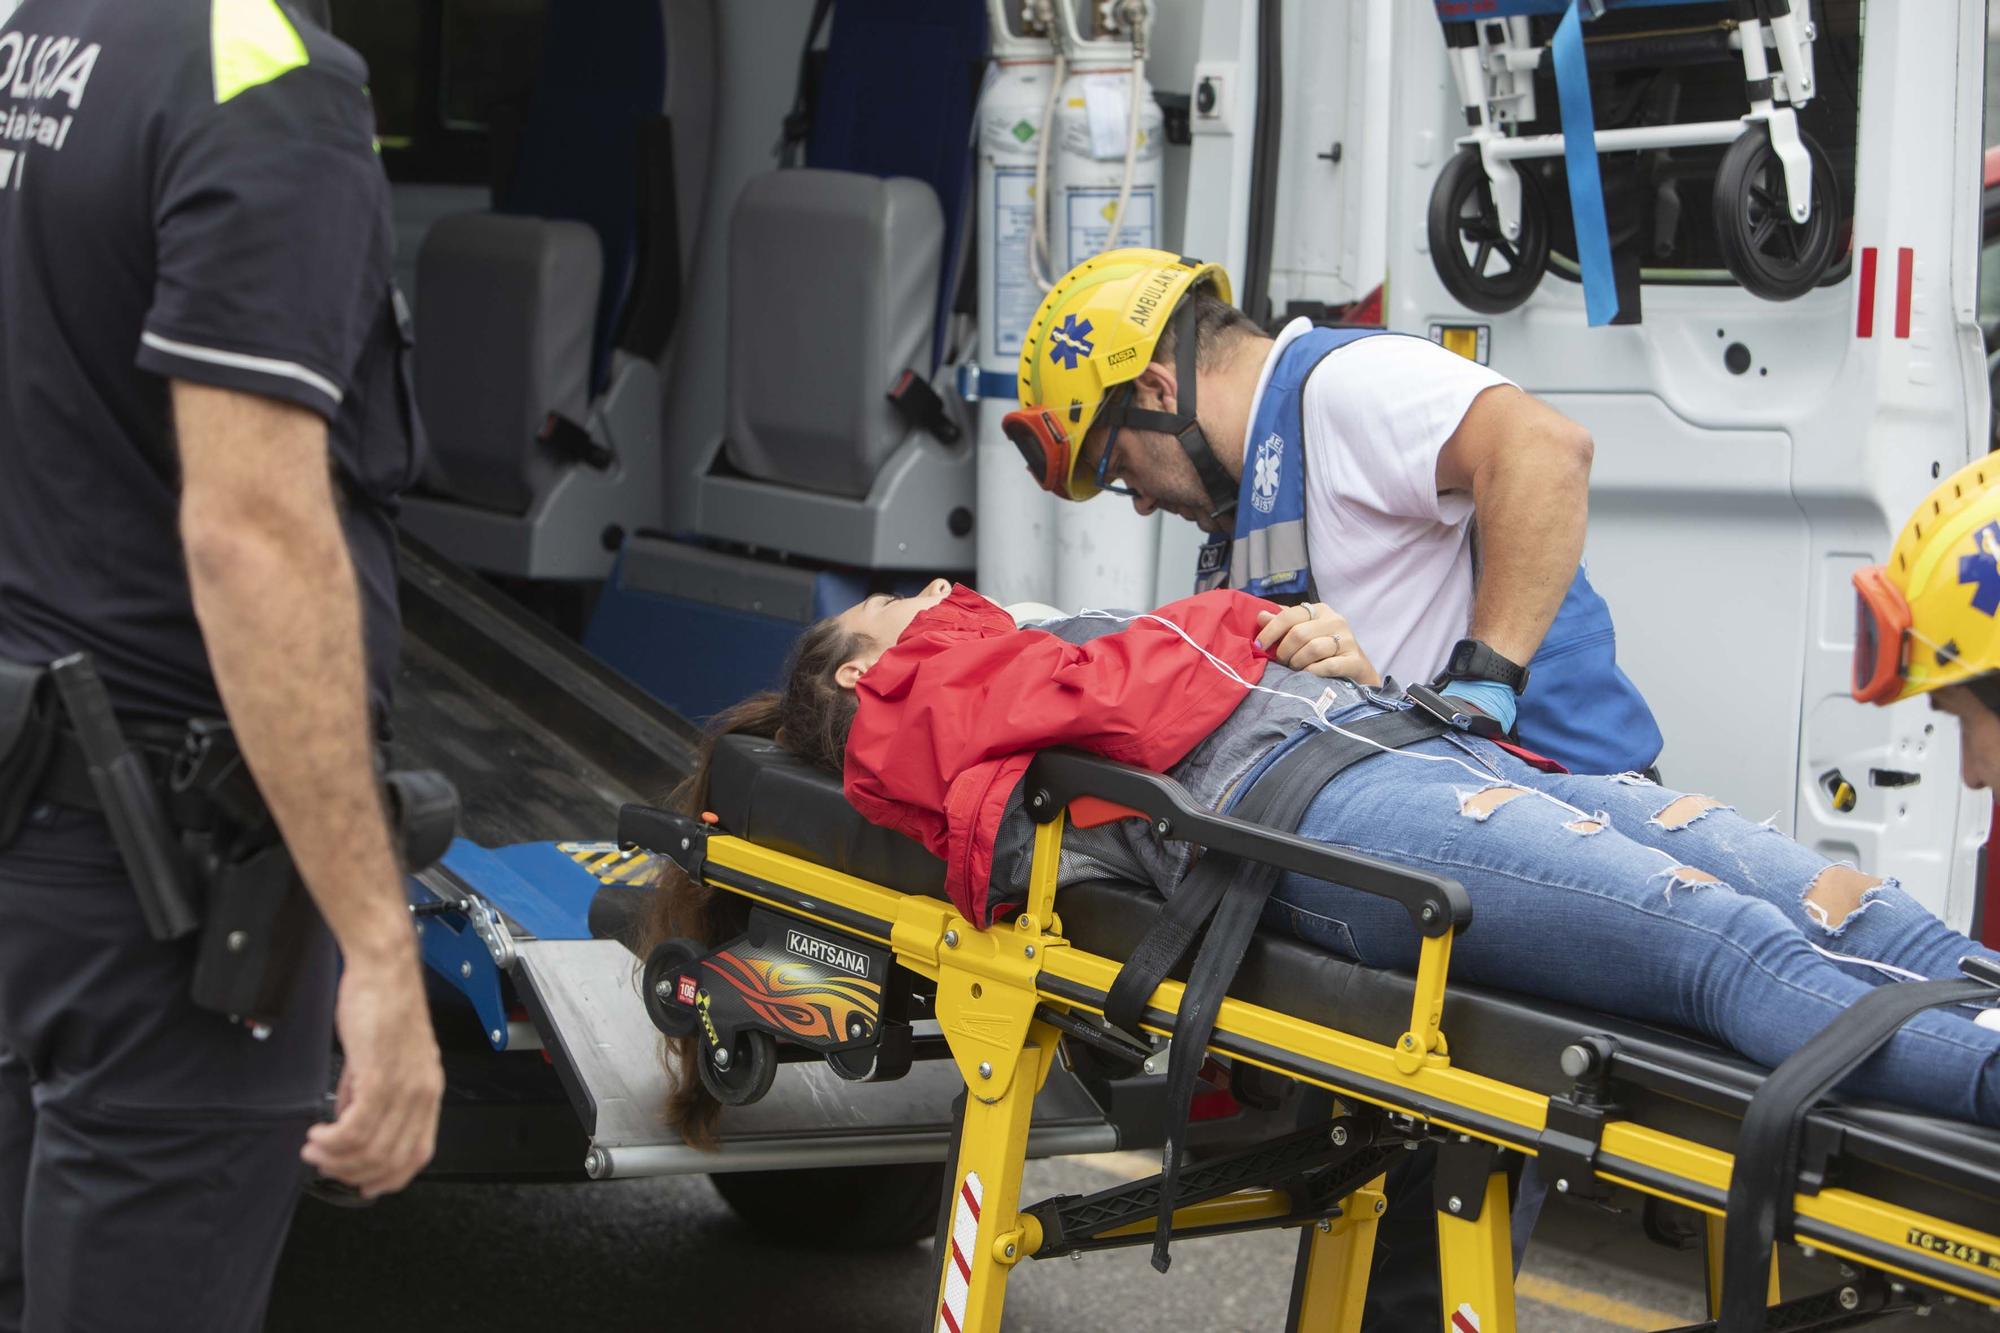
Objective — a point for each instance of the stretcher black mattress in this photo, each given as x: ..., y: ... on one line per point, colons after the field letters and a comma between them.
x: 1669, y: 1080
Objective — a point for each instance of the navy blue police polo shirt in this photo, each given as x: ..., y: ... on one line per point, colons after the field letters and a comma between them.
x: 189, y: 189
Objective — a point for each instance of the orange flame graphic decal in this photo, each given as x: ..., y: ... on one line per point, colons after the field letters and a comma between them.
x: 797, y: 996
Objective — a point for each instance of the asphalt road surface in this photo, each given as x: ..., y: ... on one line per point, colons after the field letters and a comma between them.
x: 668, y: 1256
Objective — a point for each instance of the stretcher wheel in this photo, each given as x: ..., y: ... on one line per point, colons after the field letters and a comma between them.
x: 753, y: 1064
x: 1772, y: 256
x: 660, y: 986
x: 1477, y: 264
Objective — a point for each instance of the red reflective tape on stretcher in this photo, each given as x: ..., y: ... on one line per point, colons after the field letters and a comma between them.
x: 1864, y: 323
x: 1906, y: 262
x: 964, y: 1235
x: 1090, y: 811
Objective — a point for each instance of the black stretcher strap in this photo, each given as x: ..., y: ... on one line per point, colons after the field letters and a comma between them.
x: 1229, y: 894
x: 1767, y: 1147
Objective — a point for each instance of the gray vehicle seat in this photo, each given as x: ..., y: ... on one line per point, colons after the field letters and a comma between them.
x: 832, y: 290
x: 508, y: 308
x: 832, y: 286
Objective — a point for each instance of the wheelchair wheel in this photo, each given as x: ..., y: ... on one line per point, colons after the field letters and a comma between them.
x: 1476, y: 262
x: 753, y: 1064
x: 1772, y: 256
x: 664, y: 968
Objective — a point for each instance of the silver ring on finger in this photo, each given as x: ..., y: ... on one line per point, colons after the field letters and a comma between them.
x: 1336, y: 645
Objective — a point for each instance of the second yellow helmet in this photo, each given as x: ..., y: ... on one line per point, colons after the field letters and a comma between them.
x: 1927, y: 618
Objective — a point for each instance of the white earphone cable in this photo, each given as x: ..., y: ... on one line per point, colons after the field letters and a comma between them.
x: 1484, y: 777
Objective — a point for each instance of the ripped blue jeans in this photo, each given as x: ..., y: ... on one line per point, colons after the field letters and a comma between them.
x: 1616, y: 894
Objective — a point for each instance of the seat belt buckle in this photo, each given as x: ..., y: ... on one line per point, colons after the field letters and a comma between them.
x: 1430, y: 701
x: 573, y: 440
x: 919, y: 404
x: 1982, y: 970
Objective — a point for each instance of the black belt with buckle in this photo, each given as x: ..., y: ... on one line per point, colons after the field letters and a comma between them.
x: 66, y: 780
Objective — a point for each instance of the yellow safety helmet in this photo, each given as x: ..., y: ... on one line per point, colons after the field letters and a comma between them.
x: 1096, y: 330
x: 1926, y: 619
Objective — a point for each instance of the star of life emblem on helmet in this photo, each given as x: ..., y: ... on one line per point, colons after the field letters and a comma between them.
x: 1264, y: 477
x: 1983, y: 570
x: 1069, y: 341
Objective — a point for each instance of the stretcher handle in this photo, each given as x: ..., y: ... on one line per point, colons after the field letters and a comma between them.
x: 1057, y: 777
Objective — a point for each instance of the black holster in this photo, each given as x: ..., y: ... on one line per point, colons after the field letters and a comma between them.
x: 27, y: 736
x: 257, y: 922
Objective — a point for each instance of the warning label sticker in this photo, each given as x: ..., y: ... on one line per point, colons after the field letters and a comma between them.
x: 1013, y: 222
x: 1090, y: 214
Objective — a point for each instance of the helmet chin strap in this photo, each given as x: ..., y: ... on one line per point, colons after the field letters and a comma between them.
x: 1181, y: 424
x: 1986, y: 689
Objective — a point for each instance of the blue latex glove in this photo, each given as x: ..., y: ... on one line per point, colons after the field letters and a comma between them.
x: 1488, y: 696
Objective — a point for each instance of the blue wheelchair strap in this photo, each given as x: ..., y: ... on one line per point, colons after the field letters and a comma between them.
x: 1586, y: 187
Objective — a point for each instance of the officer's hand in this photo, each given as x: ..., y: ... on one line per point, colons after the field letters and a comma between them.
x: 1313, y: 637
x: 386, y: 1109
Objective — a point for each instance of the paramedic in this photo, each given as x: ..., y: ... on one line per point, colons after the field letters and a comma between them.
x: 1924, y: 622
x: 201, y: 437
x: 1400, y: 494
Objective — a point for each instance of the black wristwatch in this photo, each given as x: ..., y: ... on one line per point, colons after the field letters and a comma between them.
x: 1472, y: 660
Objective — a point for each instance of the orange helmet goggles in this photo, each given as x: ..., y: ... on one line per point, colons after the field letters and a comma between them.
x: 1881, y: 636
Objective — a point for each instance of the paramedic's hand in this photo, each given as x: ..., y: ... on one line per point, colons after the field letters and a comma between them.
x: 386, y: 1109
x: 1314, y: 637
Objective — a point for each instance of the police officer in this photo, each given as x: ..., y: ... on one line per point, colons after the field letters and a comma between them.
x: 201, y: 435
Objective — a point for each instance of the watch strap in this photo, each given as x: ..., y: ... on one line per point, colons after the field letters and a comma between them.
x: 1472, y: 660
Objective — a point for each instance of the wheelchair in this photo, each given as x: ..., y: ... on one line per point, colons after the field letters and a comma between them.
x: 1776, y: 209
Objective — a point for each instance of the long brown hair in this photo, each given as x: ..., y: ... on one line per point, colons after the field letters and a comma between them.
x: 810, y: 717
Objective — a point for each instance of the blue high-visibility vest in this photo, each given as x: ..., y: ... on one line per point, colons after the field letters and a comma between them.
x: 1580, y: 709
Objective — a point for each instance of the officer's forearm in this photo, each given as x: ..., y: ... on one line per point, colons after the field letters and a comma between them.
x: 1531, y: 505
x: 275, y: 594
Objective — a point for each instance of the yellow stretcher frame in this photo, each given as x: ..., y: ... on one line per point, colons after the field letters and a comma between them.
x: 990, y: 984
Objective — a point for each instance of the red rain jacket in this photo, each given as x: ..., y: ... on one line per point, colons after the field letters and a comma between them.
x: 949, y: 718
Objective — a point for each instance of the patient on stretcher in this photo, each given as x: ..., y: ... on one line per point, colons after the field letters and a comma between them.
x: 1608, y: 892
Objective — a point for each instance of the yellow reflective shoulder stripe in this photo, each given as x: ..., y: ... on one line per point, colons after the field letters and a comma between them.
x: 251, y: 42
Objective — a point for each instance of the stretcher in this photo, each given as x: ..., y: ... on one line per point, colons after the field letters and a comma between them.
x: 848, y: 927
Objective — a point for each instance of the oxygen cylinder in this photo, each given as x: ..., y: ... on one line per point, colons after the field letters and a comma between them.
x: 1105, y: 552
x: 1015, y: 532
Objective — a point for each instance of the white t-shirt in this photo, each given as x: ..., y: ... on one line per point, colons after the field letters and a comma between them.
x: 1388, y: 552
